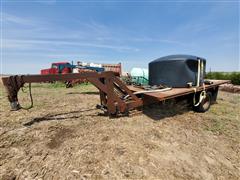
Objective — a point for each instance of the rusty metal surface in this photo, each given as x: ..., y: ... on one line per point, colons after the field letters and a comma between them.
x: 113, y: 67
x: 176, y: 92
x: 60, y: 77
x: 112, y: 89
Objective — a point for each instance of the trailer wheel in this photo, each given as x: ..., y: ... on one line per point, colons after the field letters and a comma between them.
x: 214, y: 92
x: 205, y: 104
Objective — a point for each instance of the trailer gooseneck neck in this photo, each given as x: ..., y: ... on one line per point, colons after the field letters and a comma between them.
x: 111, y: 89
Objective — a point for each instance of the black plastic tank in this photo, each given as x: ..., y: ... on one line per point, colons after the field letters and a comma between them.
x: 177, y: 71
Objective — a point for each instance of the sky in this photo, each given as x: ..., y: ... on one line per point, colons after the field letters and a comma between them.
x: 36, y: 33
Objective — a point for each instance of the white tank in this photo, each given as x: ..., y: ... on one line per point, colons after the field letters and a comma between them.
x: 141, y: 72
x: 139, y: 75
x: 95, y: 65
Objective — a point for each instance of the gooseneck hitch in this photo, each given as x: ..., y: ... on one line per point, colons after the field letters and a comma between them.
x: 111, y: 89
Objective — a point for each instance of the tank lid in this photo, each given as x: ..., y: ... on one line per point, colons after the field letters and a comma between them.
x: 177, y: 57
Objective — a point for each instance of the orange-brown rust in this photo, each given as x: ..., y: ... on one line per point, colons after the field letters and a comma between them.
x: 109, y: 85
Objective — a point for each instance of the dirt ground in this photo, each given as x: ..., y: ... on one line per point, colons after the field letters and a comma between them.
x: 63, y: 137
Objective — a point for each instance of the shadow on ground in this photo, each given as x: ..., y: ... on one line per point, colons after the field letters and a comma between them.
x: 59, y: 116
x: 166, y: 109
x: 87, y: 92
x: 155, y: 111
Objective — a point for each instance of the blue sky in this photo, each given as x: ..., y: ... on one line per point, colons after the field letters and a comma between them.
x: 37, y: 33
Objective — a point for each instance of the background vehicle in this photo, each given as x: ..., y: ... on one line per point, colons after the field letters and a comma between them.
x: 59, y: 68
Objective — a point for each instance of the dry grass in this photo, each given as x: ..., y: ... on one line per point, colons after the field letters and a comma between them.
x: 61, y: 138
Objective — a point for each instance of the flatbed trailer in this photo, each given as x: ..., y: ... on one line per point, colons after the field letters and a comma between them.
x: 176, y: 92
x: 115, y: 96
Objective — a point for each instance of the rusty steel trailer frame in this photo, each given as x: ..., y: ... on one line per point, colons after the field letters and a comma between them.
x: 112, y: 90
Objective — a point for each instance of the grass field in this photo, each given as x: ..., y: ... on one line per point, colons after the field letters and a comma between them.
x: 63, y: 137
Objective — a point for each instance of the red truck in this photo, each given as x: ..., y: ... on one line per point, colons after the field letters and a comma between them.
x: 59, y: 68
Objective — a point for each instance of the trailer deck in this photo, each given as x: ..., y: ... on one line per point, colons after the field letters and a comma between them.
x: 176, y: 92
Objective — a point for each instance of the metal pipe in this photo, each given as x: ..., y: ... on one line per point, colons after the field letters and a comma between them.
x: 198, y: 75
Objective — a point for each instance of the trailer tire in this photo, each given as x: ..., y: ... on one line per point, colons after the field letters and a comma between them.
x: 214, y: 92
x: 205, y: 104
